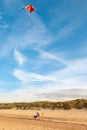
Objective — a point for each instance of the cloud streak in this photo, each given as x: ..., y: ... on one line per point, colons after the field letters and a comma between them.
x: 50, y: 56
x: 20, y: 58
x: 31, y: 77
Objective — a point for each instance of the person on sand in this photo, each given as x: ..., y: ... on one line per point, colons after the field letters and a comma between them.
x: 37, y: 115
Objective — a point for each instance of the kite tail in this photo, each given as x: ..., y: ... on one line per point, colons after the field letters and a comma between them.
x: 21, y: 9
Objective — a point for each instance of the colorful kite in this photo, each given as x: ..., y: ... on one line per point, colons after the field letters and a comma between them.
x: 30, y: 8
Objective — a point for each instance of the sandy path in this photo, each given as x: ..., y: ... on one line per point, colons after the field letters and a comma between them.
x: 13, y: 123
x: 52, y: 120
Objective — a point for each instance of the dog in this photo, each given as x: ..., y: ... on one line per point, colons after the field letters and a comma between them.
x: 35, y: 117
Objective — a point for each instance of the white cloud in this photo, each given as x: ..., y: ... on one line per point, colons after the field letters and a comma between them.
x: 75, y: 68
x: 26, y: 77
x: 20, y: 58
x: 47, y: 55
x: 79, y: 66
x: 26, y: 95
x: 18, y: 95
x: 73, y: 76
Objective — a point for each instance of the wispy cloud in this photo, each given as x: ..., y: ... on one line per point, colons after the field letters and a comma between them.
x: 73, y: 76
x: 47, y: 55
x: 33, y: 34
x: 3, y: 23
x: 26, y: 77
x: 70, y: 20
x: 70, y: 28
x: 75, y: 66
x: 20, y: 58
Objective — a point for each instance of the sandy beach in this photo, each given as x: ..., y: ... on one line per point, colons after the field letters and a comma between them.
x: 49, y: 120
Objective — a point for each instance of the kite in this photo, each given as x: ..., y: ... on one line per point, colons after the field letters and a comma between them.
x: 30, y: 8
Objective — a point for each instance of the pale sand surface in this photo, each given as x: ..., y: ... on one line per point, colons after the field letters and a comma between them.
x: 50, y: 120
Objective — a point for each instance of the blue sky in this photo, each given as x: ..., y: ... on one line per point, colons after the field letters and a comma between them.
x: 42, y: 53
